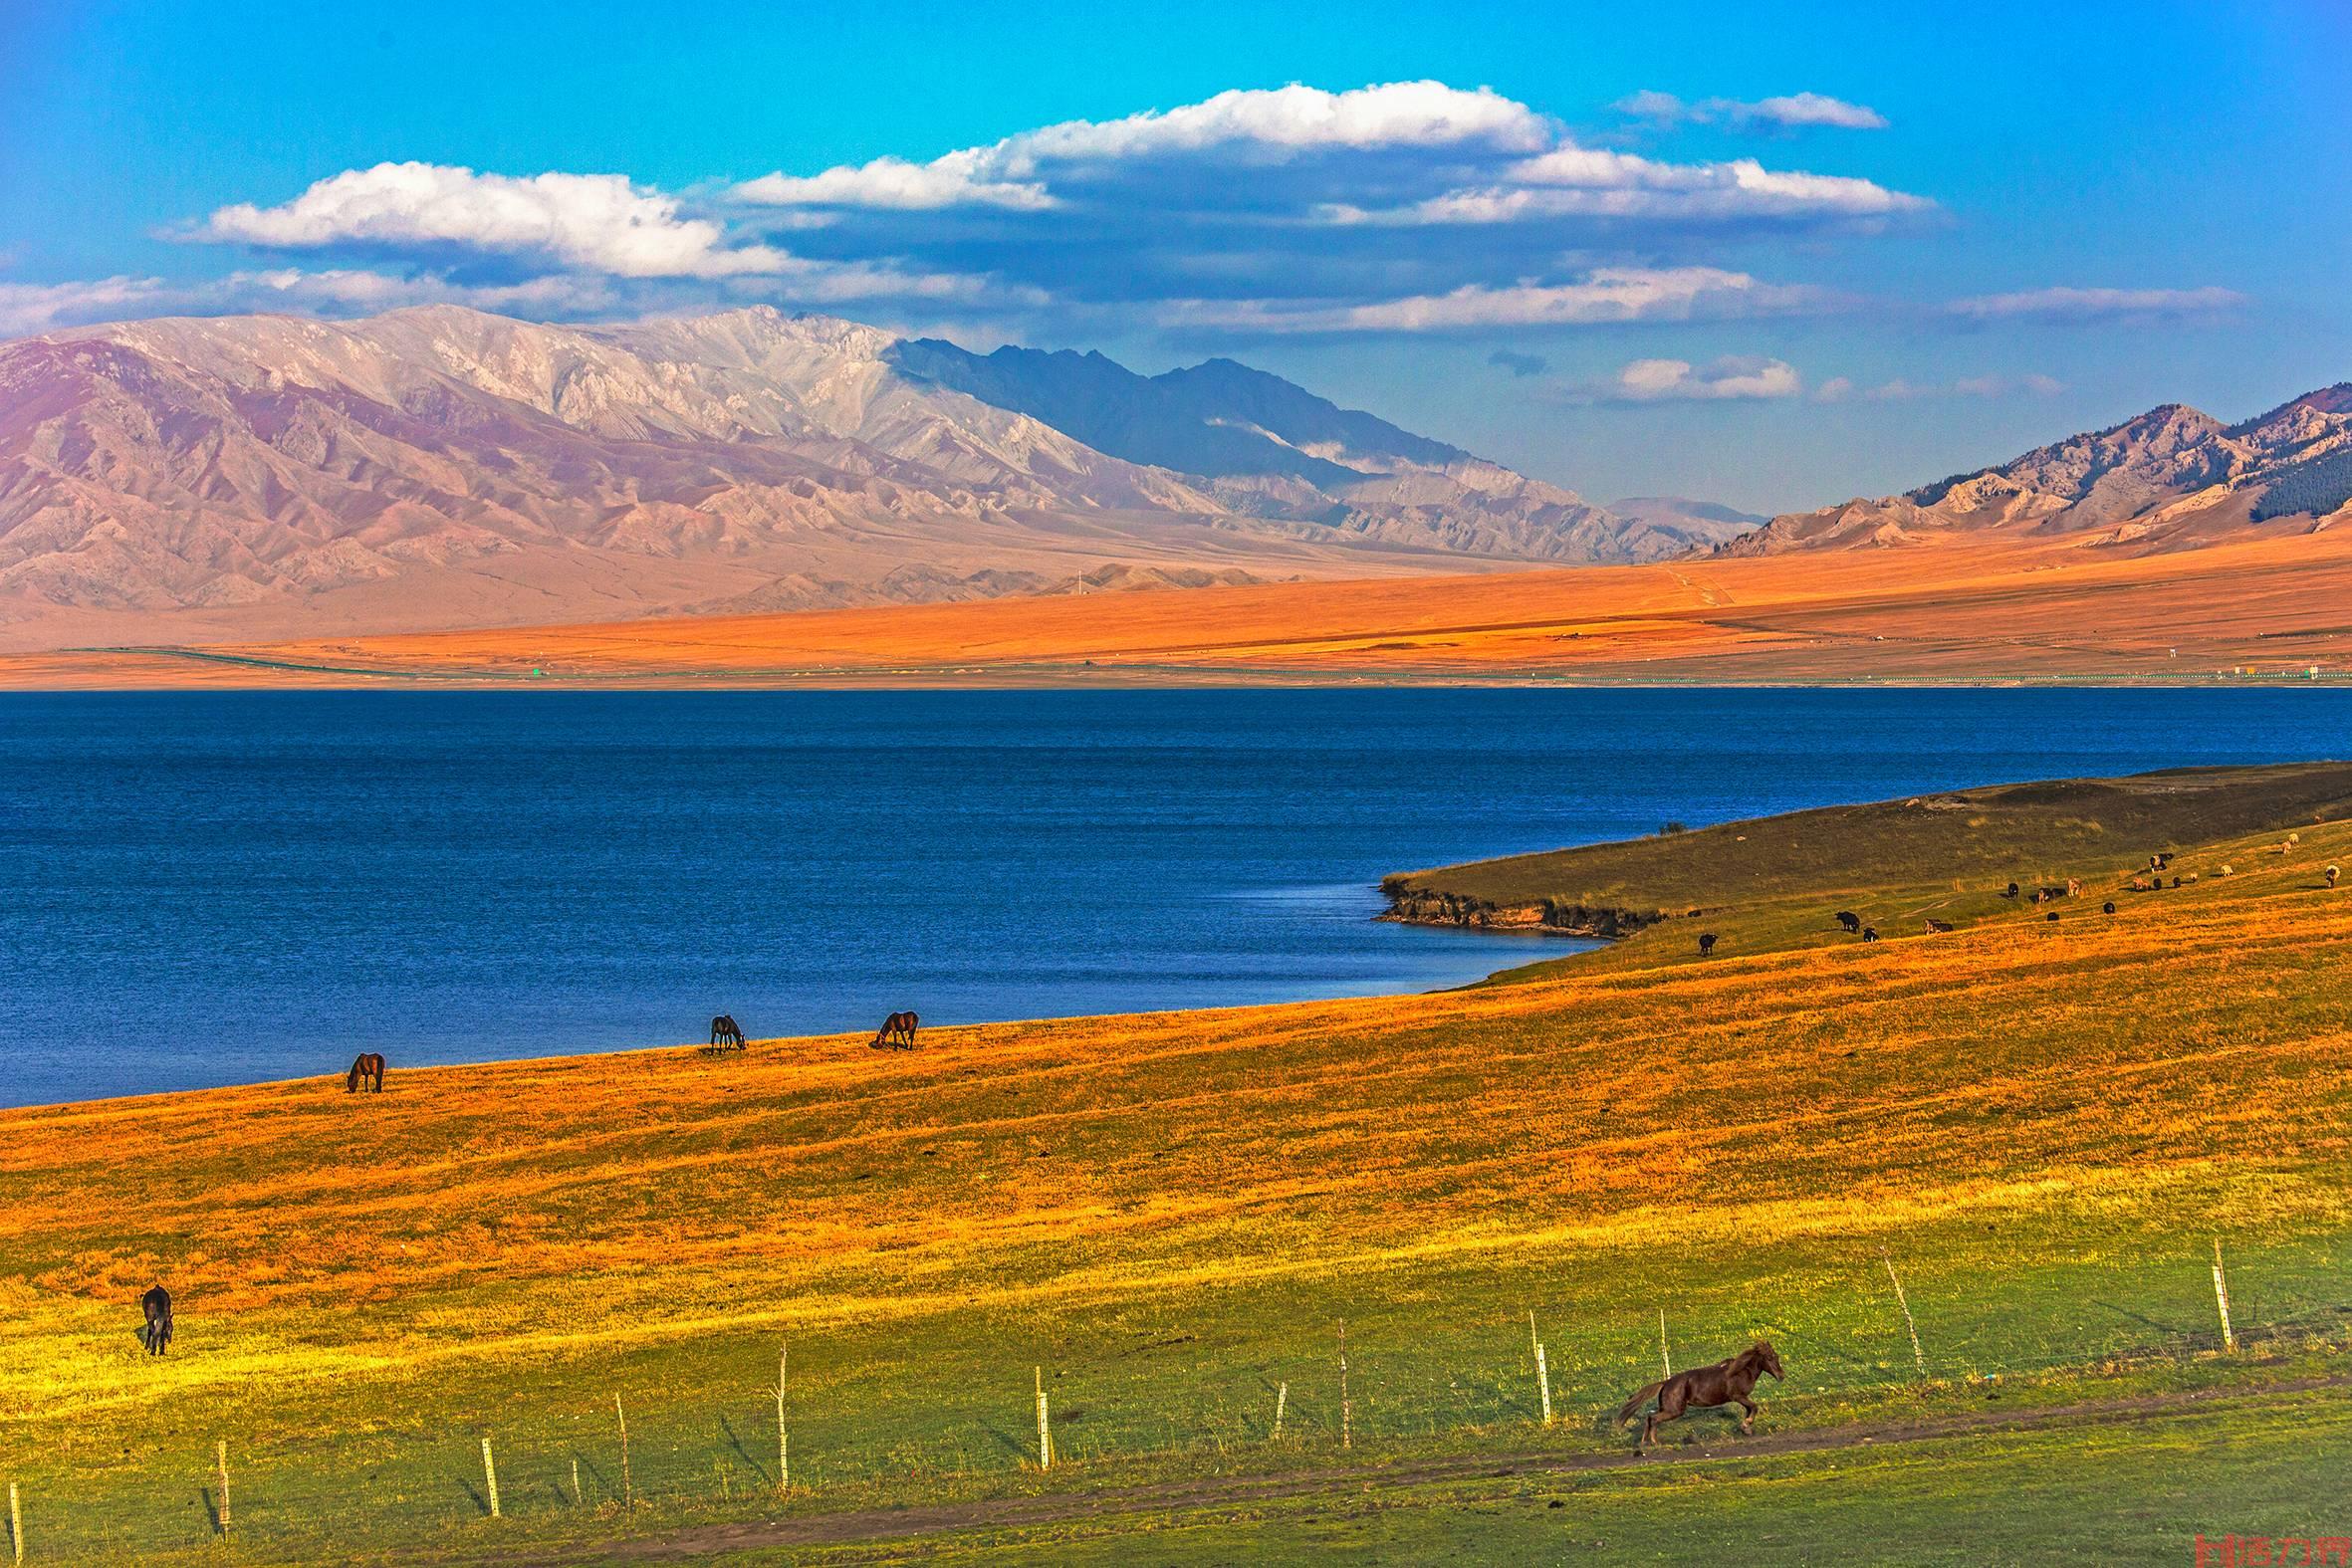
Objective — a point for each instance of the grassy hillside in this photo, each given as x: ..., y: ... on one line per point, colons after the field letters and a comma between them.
x: 1962, y: 840
x: 2041, y: 1127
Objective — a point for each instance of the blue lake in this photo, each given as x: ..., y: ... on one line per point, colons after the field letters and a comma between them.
x: 214, y: 888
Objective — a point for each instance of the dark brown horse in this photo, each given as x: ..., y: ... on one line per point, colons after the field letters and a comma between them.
x: 1707, y: 1388
x: 367, y: 1069
x: 897, y: 1029
x: 156, y: 1305
x: 725, y: 1033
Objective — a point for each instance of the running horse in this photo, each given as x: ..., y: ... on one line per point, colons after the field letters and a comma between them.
x: 367, y: 1069
x: 897, y: 1029
x: 724, y: 1032
x: 1707, y: 1388
x: 156, y: 1305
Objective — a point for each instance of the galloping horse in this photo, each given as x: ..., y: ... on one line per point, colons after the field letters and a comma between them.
x: 1706, y: 1388
x: 724, y: 1031
x: 897, y: 1029
x: 157, y: 1303
x: 367, y: 1069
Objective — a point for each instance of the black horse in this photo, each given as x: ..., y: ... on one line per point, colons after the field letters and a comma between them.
x: 724, y: 1031
x: 1707, y: 944
x: 157, y: 1303
x: 1848, y: 919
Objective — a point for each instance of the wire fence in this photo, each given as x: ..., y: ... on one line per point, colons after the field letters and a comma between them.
x: 1420, y: 1374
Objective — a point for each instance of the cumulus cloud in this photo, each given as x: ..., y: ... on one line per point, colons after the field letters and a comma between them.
x: 593, y: 222
x: 1518, y: 364
x: 1796, y: 111
x: 2097, y: 304
x: 1573, y: 181
x: 1604, y: 296
x: 1286, y: 209
x: 951, y: 181
x: 27, y: 308
x: 1265, y: 124
x: 1838, y: 389
x: 1733, y: 378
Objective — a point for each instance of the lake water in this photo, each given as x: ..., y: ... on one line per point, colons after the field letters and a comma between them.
x: 215, y: 888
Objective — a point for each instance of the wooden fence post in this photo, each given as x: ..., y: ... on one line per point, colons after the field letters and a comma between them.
x: 783, y: 1444
x: 2222, y: 1298
x: 16, y: 1523
x: 1045, y: 1429
x: 575, y: 1497
x: 220, y: 1460
x: 1918, y: 1358
x: 1542, y: 1374
x: 1346, y: 1408
x: 1282, y: 1398
x: 1664, y: 1359
x: 490, y: 1474
x: 628, y: 1494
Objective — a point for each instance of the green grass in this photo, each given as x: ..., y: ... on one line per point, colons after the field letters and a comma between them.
x: 1983, y: 839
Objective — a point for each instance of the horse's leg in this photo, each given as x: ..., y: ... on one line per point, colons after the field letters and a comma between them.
x: 1746, y: 1421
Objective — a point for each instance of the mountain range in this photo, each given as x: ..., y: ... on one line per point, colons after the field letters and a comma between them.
x: 440, y: 466
x: 191, y: 480
x: 2171, y: 479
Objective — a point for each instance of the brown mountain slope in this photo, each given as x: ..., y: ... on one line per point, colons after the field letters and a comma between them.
x: 184, y: 479
x: 2171, y: 479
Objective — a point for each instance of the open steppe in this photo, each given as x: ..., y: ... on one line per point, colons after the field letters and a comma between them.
x: 1950, y: 609
x: 2039, y: 1127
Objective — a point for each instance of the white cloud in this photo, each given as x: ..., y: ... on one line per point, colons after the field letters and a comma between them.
x: 1677, y: 381
x: 1812, y: 109
x: 1607, y: 295
x: 1575, y: 181
x: 594, y: 222
x: 2093, y: 305
x: 1903, y: 390
x: 1794, y: 111
x: 1262, y: 123
x: 894, y: 183
x: 30, y: 308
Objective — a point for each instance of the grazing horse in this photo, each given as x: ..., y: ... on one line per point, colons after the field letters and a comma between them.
x: 724, y: 1032
x: 1707, y: 1388
x: 156, y: 1305
x: 1870, y: 933
x: 2107, y: 908
x: 1848, y: 919
x: 897, y: 1029
x: 2012, y: 892
x: 367, y: 1069
x: 1938, y: 925
x: 1707, y: 944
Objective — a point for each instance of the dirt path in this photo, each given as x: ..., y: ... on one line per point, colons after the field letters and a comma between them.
x: 900, y: 1524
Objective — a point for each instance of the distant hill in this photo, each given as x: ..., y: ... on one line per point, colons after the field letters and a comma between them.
x: 2171, y: 479
x: 442, y: 467
x: 1694, y: 525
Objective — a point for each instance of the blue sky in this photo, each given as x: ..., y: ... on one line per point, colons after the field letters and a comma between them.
x: 1769, y: 255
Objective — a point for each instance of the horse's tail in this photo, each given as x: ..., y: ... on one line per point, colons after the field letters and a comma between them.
x: 1638, y: 1401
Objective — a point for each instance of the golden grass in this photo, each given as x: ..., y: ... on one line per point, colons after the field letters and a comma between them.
x: 1972, y: 608
x: 1811, y: 1090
